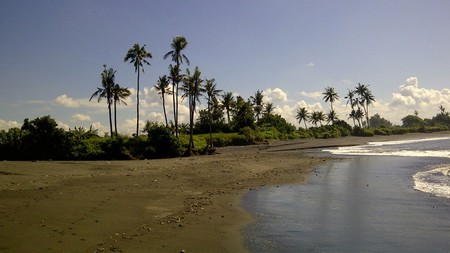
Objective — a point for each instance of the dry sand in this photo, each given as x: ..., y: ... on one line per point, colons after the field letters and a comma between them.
x: 165, y: 205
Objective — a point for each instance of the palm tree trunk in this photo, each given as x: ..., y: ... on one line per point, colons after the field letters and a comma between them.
x: 210, y: 127
x: 304, y: 121
x: 367, y: 115
x: 115, y: 118
x: 174, y: 110
x: 137, y: 105
x: 164, y: 109
x: 110, y: 118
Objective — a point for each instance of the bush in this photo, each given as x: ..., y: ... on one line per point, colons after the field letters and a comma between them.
x: 162, y: 142
x: 357, y: 131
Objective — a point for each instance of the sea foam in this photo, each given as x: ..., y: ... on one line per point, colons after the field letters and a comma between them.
x: 411, y: 148
x: 435, y: 181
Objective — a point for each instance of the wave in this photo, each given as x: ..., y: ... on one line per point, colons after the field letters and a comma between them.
x: 435, y: 181
x: 409, y: 148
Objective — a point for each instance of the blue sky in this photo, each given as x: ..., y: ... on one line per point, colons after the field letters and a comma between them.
x: 52, y: 54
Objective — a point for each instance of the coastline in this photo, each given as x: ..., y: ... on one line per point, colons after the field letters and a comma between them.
x: 168, y: 205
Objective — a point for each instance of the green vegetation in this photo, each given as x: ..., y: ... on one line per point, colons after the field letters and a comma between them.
x: 227, y: 120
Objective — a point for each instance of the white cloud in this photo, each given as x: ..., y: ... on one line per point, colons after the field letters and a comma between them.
x: 275, y: 95
x: 81, y: 117
x: 67, y: 101
x: 101, y: 129
x: 311, y: 64
x: 70, y: 102
x: 63, y: 125
x: 315, y: 95
x: 7, y: 124
x: 412, y: 97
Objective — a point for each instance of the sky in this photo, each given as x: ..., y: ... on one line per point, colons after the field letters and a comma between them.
x: 52, y: 54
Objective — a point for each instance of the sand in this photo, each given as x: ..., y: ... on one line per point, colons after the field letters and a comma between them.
x: 167, y: 205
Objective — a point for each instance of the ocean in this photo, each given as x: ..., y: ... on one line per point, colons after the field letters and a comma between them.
x: 381, y: 197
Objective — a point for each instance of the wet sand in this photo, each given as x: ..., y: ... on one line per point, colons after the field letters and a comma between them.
x: 168, y: 205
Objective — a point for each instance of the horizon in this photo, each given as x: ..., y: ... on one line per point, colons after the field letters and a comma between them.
x: 53, y: 52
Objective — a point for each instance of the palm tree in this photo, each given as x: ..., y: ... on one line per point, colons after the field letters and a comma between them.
x: 162, y: 86
x: 317, y: 117
x: 331, y: 117
x: 357, y: 115
x: 365, y: 99
x: 351, y: 99
x: 178, y: 44
x: 175, y: 77
x: 268, y: 108
x: 211, y: 93
x: 302, y: 115
x: 119, y: 95
x: 108, y: 76
x: 192, y: 87
x: 442, y: 110
x: 257, y: 102
x: 330, y: 95
x: 137, y: 55
x: 228, y: 103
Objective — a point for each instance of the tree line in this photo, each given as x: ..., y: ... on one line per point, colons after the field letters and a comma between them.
x: 226, y: 120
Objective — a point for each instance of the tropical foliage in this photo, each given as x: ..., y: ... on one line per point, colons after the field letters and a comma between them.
x: 227, y: 119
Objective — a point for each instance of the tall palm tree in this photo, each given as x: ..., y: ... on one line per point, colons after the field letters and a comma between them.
x: 331, y: 117
x: 162, y: 86
x: 330, y: 95
x: 365, y: 99
x: 119, y: 95
x: 228, y: 103
x: 179, y: 43
x: 192, y: 87
x: 442, y: 110
x: 316, y: 117
x: 351, y: 99
x: 211, y: 93
x: 175, y: 77
x: 108, y: 76
x: 257, y: 102
x: 357, y: 115
x: 138, y: 55
x: 268, y: 108
x: 302, y: 115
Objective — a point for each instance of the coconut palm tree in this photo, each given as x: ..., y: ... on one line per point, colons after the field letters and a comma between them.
x: 365, y: 99
x: 119, y: 95
x: 257, y: 102
x: 351, y: 99
x: 330, y: 95
x: 108, y: 76
x: 211, y: 93
x: 175, y: 77
x: 302, y: 115
x: 228, y: 103
x: 357, y: 115
x: 192, y: 88
x: 138, y: 55
x: 331, y: 117
x: 162, y: 86
x: 268, y: 108
x: 179, y: 43
x: 442, y: 110
x: 317, y: 117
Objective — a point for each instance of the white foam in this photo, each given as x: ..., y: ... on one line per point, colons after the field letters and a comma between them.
x: 435, y: 181
x: 384, y: 143
x: 376, y: 149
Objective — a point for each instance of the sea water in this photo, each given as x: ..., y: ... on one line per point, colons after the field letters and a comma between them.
x: 383, y: 197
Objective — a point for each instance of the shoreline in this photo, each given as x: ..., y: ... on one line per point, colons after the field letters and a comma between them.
x: 192, y: 204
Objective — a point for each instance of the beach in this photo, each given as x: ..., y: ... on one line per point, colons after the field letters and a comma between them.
x: 168, y: 205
